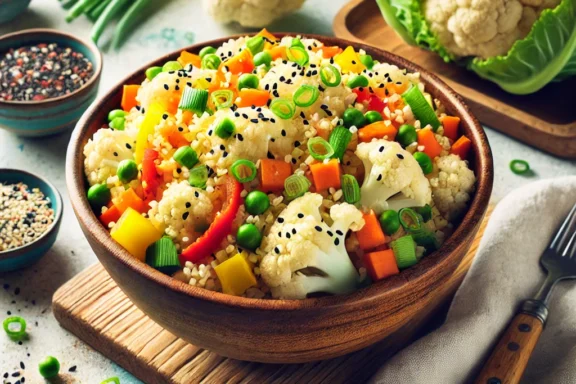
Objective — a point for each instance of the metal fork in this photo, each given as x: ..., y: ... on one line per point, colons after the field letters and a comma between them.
x: 509, y: 358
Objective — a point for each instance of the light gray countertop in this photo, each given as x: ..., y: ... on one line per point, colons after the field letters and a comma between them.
x: 180, y: 23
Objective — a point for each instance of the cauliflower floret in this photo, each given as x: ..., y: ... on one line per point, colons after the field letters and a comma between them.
x: 394, y: 179
x: 250, y: 13
x: 483, y: 28
x: 304, y: 255
x: 452, y: 187
x: 183, y: 211
x: 106, y: 149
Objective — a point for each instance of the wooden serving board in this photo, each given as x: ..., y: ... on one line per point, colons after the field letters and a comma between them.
x: 545, y: 119
x: 93, y: 308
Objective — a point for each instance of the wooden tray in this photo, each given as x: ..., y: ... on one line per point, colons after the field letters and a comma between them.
x: 546, y: 119
x: 93, y: 308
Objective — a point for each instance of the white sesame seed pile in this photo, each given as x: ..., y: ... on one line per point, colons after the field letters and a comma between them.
x: 24, y: 215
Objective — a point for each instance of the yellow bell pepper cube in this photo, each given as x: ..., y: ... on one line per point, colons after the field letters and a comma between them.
x: 152, y: 117
x: 349, y: 61
x: 135, y: 233
x: 235, y: 275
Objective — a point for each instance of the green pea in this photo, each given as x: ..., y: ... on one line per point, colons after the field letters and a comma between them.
x: 425, y: 212
x: 262, y: 58
x: 152, y: 72
x: 356, y: 81
x: 225, y: 128
x: 171, y: 66
x: 367, y: 61
x: 206, y: 51
x: 127, y: 170
x: 249, y: 236
x: 257, y: 202
x: 116, y: 113
x: 255, y: 44
x: 248, y: 80
x: 98, y: 195
x: 117, y: 123
x: 296, y: 42
x: 49, y: 367
x: 425, y: 162
x: 389, y: 221
x: 353, y: 117
x: 372, y: 117
x: 406, y: 135
x: 211, y: 61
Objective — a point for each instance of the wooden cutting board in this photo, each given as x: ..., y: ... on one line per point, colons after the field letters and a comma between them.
x: 92, y: 307
x: 546, y: 119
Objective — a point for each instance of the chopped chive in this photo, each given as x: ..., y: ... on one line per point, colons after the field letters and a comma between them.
x: 225, y: 128
x: 356, y: 81
x: 330, y: 75
x: 339, y: 140
x: 283, y: 108
x: 186, y: 157
x: 198, y: 176
x: 15, y: 328
x: 194, y: 100
x: 211, y: 61
x: 297, y: 55
x: 306, y: 95
x: 222, y: 98
x: 243, y: 170
x: 255, y: 44
x: 163, y: 256
x: 519, y: 167
x: 420, y: 108
x: 350, y: 189
x: 405, y: 251
x: 320, y: 149
x: 296, y: 186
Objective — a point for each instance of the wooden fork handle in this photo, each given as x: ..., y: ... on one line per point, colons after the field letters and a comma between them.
x: 509, y: 358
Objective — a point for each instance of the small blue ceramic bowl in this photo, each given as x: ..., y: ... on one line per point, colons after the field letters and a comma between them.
x: 50, y: 116
x: 10, y: 9
x: 30, y: 253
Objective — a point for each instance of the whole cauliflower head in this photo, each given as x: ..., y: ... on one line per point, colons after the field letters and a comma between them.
x: 482, y: 28
x: 394, y: 179
x: 250, y: 13
x: 305, y: 255
x: 452, y: 187
x: 183, y: 211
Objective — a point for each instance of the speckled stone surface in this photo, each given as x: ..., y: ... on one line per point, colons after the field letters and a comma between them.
x: 180, y: 23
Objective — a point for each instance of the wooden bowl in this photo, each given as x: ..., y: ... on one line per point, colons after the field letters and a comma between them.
x: 283, y: 331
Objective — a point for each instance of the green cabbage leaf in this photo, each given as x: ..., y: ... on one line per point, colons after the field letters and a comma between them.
x: 547, y: 54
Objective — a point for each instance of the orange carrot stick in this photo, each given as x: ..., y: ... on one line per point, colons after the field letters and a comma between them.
x: 450, y: 124
x: 377, y: 130
x: 431, y: 146
x: 371, y: 235
x: 273, y: 173
x: 461, y: 147
x: 381, y: 264
x: 129, y: 93
x: 326, y: 175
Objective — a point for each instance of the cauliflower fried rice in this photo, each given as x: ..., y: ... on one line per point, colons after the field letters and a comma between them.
x: 296, y: 118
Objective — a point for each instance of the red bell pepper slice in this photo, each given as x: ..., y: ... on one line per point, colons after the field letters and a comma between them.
x: 210, y: 241
x: 374, y: 102
x: 151, y: 180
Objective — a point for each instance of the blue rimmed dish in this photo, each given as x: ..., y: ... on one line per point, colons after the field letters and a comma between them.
x: 10, y: 9
x: 53, y: 115
x: 30, y: 253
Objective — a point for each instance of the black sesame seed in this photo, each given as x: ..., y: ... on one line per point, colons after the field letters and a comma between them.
x: 225, y: 154
x: 381, y: 149
x: 300, y: 215
x: 336, y: 241
x: 116, y: 154
x: 255, y: 121
x: 240, y: 137
x: 288, y: 235
x: 165, y: 116
x: 339, y: 232
x: 22, y: 366
x: 222, y: 147
x: 128, y: 146
x: 400, y: 156
x: 280, y: 220
x: 180, y: 129
x: 318, y: 228
x: 72, y: 369
x: 270, y: 155
x: 297, y: 143
x: 196, y: 194
x: 245, y: 116
x: 277, y: 250
x: 237, y: 114
x: 379, y: 178
x: 283, y: 133
x: 188, y: 205
x: 330, y: 233
x: 177, y: 88
x: 166, y: 87
x: 185, y: 215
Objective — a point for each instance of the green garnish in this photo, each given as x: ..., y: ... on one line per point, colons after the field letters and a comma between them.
x: 389, y: 221
x: 296, y: 42
x: 117, y: 123
x: 225, y: 128
x: 283, y: 108
x: 111, y: 380
x: 152, y: 72
x: 248, y: 80
x: 405, y: 251
x: 116, y: 113
x: 171, y: 66
x: 306, y: 95
x: 339, y: 140
x: 211, y: 61
x: 409, y: 220
x: 367, y: 61
x: 297, y: 55
x: 243, y: 170
x: 519, y: 167
x: 163, y: 256
x: 206, y: 51
x: 49, y: 367
x: 186, y: 157
x: 330, y: 75
x: 198, y: 176
x: 296, y: 186
x: 425, y: 212
x: 15, y: 328
x: 222, y: 98
x: 255, y: 44
x: 355, y: 81
x: 320, y: 149
x: 262, y: 58
x: 424, y: 161
x: 350, y: 189
x: 194, y: 100
x: 257, y: 202
x: 420, y: 107
x: 127, y: 170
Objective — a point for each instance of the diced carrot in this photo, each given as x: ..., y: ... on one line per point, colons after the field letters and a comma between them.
x: 450, y: 124
x: 273, y: 173
x: 328, y: 52
x: 381, y: 264
x: 323, y: 132
x: 278, y: 52
x: 112, y: 214
x: 177, y: 139
x: 326, y: 175
x: 377, y: 130
x: 129, y: 199
x: 431, y: 146
x: 129, y: 93
x: 187, y: 116
x: 371, y: 235
x: 461, y: 147
x: 172, y: 102
x: 189, y: 58
x: 249, y: 97
x: 267, y: 35
x: 240, y: 63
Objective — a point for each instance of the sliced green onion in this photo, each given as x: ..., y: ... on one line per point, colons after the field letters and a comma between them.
x: 152, y: 72
x: 405, y: 251
x: 163, y: 256
x: 116, y: 113
x: 225, y: 128
x: 424, y: 161
x: 296, y: 42
x: 283, y: 108
x: 15, y: 328
x: 424, y: 237
x: 320, y: 149
x: 198, y: 176
x: 306, y: 95
x: 194, y: 100
x: 111, y: 380
x: 255, y: 44
x: 244, y: 170
x: 262, y: 58
x: 339, y: 140
x: 211, y: 61
x: 248, y: 80
x: 356, y: 81
x: 413, y: 223
x: 171, y: 66
x: 297, y: 55
x: 367, y: 60
x: 186, y: 157
x: 425, y: 212
x: 206, y: 51
x: 350, y: 189
x: 519, y: 167
x: 296, y: 186
x: 330, y: 75
x: 222, y: 98
x: 420, y: 108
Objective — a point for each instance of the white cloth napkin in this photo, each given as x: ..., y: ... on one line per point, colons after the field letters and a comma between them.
x: 505, y: 272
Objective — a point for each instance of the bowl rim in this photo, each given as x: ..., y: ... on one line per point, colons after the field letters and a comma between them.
x: 22, y: 250
x: 93, y: 229
x: 97, y: 64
